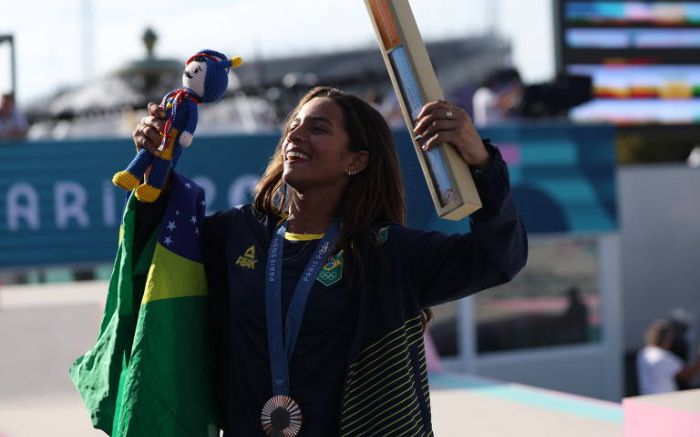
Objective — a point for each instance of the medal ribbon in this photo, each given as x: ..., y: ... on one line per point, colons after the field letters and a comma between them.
x: 280, y: 343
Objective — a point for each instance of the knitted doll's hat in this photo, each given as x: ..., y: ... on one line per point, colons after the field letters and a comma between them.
x: 218, y: 66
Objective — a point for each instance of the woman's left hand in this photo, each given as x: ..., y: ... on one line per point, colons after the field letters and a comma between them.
x: 442, y: 122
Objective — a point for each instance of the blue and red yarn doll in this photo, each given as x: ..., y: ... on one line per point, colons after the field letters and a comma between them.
x: 205, y: 80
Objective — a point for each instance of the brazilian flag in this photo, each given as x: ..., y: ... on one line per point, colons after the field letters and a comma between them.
x: 148, y: 374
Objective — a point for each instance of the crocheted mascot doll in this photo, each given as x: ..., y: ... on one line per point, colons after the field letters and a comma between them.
x: 205, y: 80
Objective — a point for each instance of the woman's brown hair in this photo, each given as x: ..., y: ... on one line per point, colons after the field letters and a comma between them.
x: 372, y: 197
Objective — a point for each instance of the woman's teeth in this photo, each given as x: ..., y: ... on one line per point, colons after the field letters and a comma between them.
x: 293, y: 155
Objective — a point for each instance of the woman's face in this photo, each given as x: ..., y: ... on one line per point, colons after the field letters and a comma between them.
x: 316, y: 152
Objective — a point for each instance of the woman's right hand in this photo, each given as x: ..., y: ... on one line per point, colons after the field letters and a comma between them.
x: 149, y: 132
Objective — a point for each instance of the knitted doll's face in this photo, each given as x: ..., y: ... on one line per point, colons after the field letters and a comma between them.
x: 194, y: 75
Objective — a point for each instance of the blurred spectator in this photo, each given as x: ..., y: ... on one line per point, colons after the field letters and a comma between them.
x: 694, y: 157
x: 575, y: 318
x: 498, y: 98
x: 658, y: 370
x: 680, y: 322
x: 13, y: 124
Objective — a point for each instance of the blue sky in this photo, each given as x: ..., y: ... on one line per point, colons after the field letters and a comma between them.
x: 51, y: 46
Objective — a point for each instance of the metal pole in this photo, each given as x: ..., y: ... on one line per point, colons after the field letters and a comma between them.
x: 88, y: 46
x: 13, y: 66
x: 492, y: 16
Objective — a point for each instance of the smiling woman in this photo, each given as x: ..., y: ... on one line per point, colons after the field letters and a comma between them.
x: 317, y: 290
x: 347, y: 160
x: 318, y: 148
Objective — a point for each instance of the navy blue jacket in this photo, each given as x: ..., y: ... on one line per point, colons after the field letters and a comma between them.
x: 405, y: 270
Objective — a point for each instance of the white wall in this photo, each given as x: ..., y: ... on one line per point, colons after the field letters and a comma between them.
x: 660, y: 245
x: 582, y: 370
x: 593, y: 369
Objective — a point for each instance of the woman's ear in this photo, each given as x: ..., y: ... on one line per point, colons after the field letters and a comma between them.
x: 359, y: 162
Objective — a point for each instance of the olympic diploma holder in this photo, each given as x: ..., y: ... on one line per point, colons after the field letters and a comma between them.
x: 448, y: 177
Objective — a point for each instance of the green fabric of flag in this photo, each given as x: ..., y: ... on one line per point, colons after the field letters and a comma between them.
x: 148, y: 374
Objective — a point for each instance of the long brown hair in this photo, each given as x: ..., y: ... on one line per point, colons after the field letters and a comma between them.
x: 373, y: 196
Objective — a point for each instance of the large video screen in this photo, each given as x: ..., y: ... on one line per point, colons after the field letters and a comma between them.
x: 643, y: 57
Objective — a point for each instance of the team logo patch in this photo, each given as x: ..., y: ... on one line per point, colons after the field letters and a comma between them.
x: 247, y: 260
x: 332, y: 272
x: 382, y: 235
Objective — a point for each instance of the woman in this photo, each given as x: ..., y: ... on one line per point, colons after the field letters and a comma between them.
x: 351, y: 357
x: 658, y: 369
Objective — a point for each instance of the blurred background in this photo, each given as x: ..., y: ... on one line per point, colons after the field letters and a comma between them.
x: 594, y: 104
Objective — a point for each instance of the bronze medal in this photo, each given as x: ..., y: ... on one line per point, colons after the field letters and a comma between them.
x: 281, y: 417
